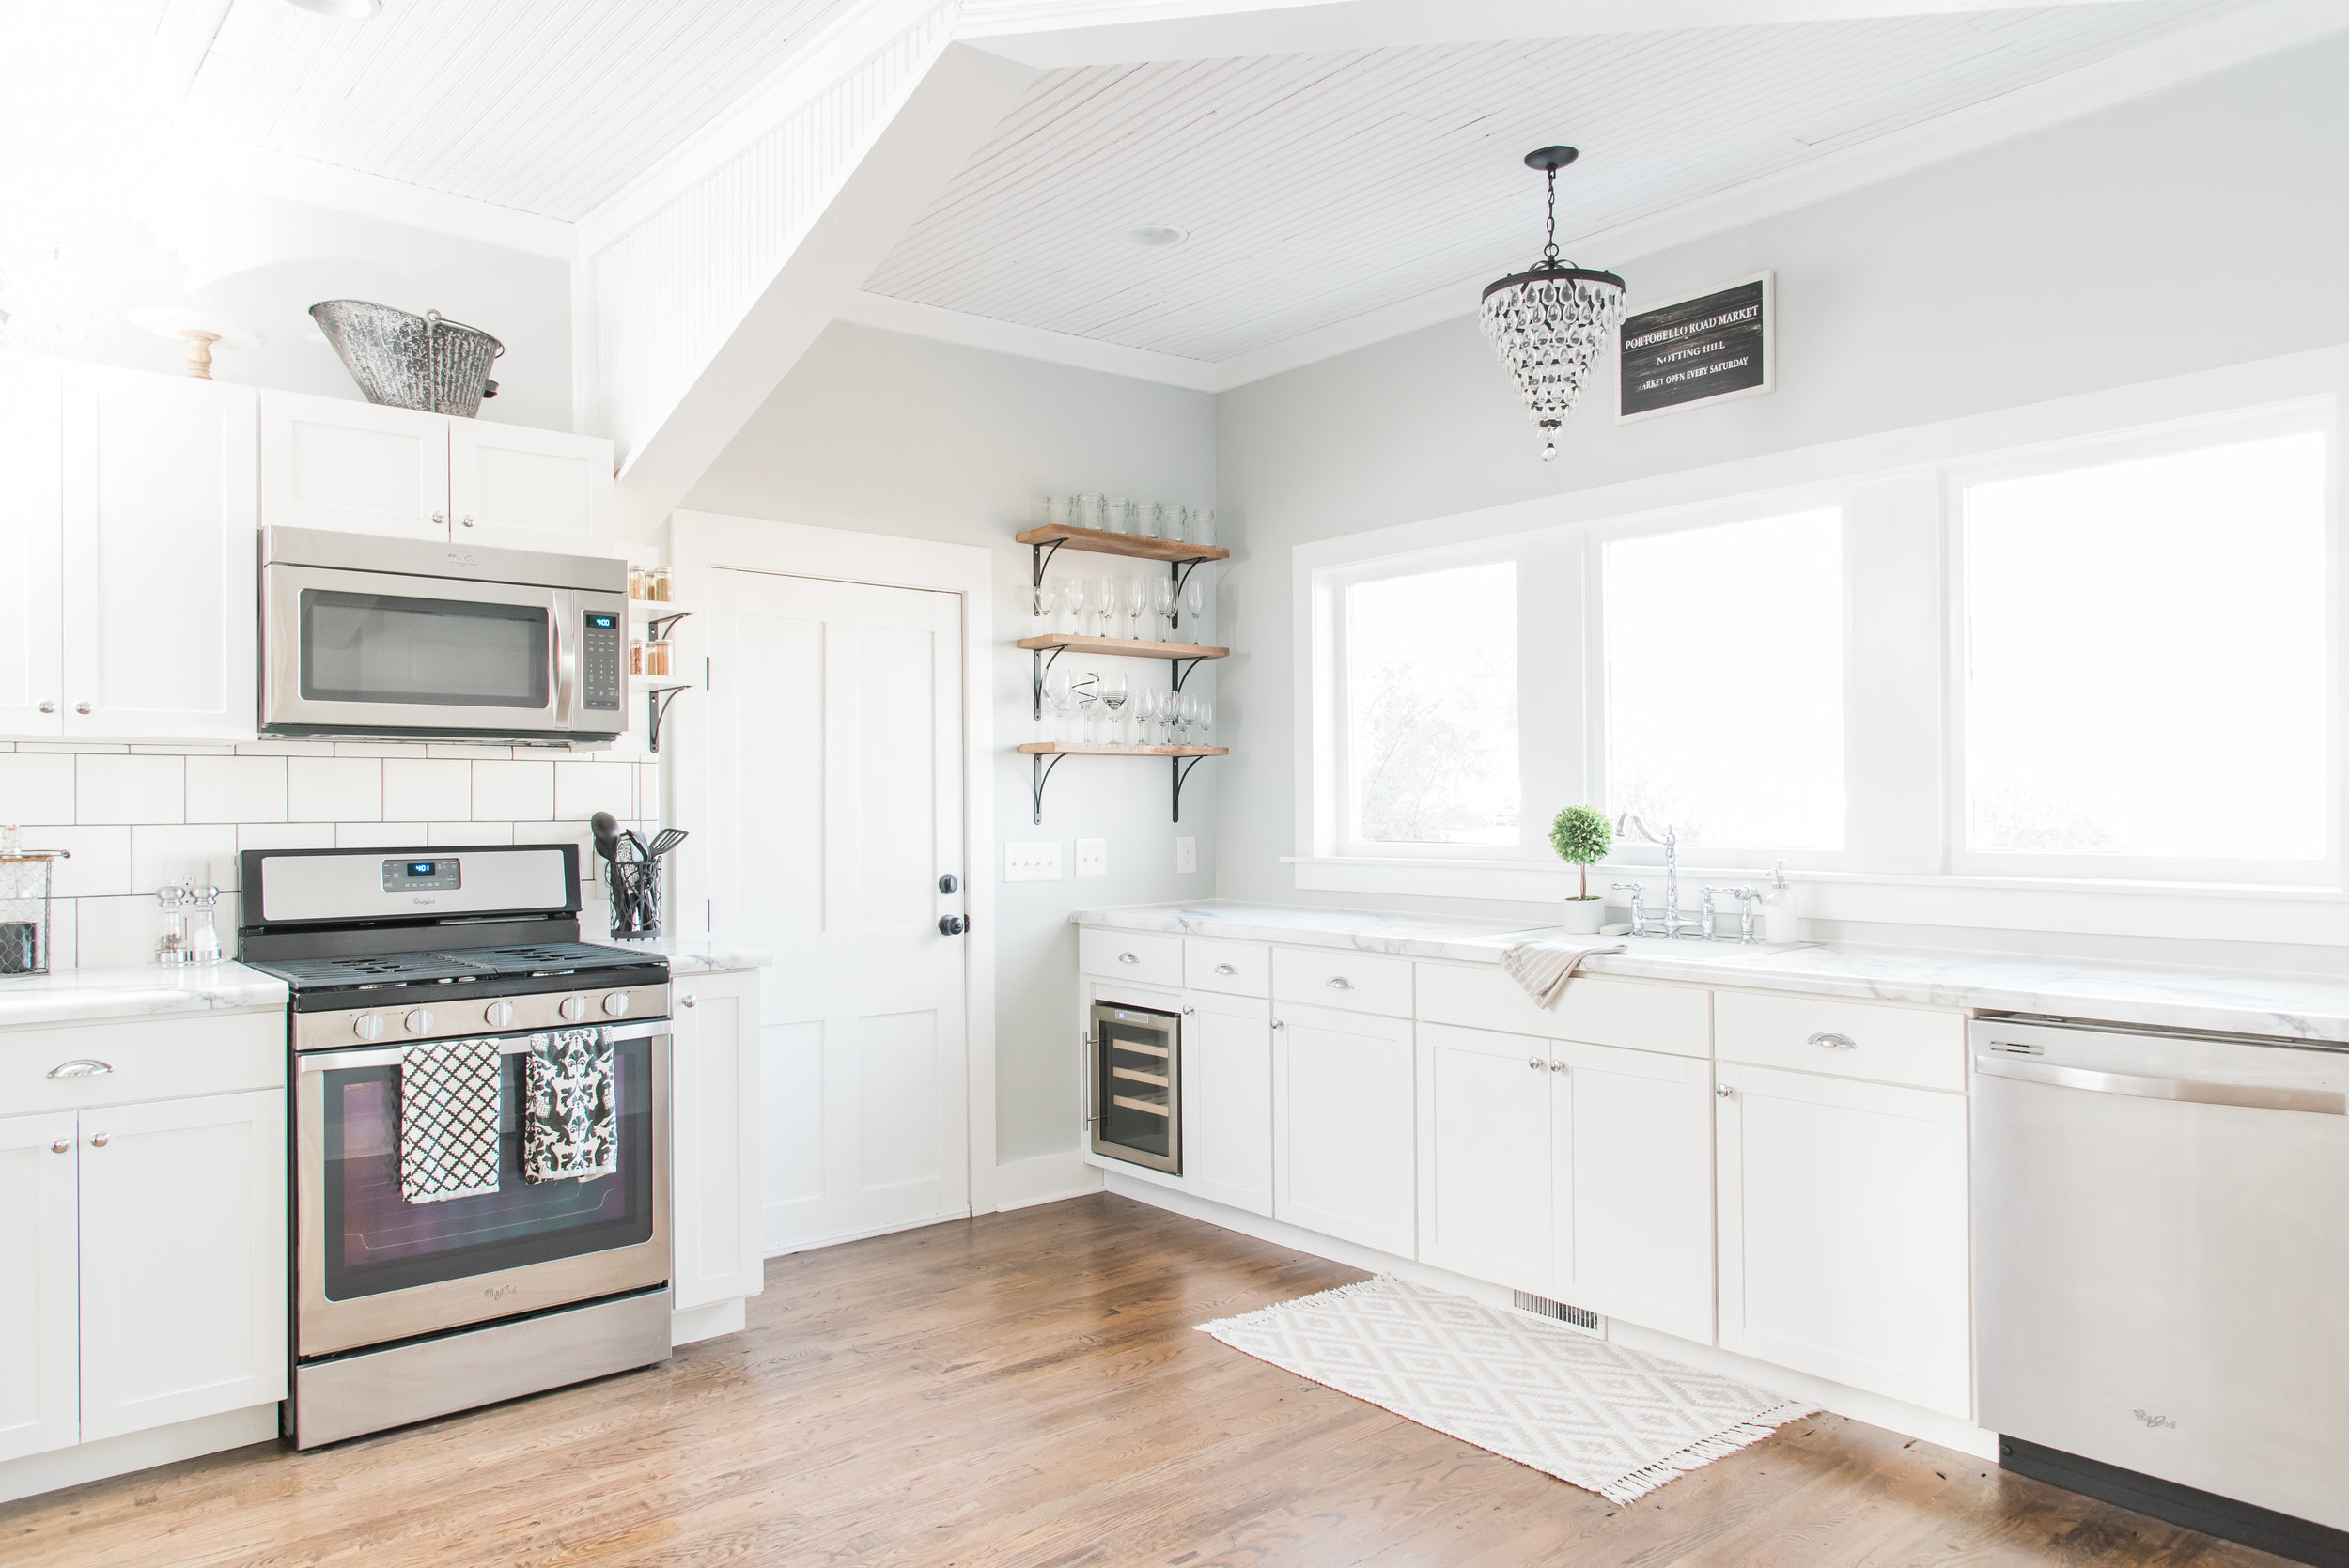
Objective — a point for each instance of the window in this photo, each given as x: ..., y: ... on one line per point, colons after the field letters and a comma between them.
x: 2145, y: 657
x: 1724, y: 698
x: 1431, y: 700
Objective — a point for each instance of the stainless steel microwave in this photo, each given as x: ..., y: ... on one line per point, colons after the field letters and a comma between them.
x: 369, y: 636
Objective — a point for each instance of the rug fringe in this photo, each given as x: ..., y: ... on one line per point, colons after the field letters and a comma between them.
x: 1640, y: 1482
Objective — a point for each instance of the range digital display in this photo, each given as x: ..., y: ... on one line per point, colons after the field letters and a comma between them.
x: 435, y: 876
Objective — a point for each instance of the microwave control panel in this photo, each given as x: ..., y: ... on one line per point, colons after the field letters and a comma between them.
x: 600, y: 659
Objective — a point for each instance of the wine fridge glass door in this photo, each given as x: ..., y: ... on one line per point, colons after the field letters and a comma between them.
x: 1137, y: 1086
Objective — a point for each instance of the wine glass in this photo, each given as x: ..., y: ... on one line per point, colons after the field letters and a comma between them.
x: 1204, y: 719
x: 1162, y: 601
x: 1104, y: 604
x: 1195, y: 599
x: 1137, y: 594
x: 1114, y: 697
x: 1145, y: 716
x: 1048, y: 595
x: 1087, y: 700
x: 1059, y: 699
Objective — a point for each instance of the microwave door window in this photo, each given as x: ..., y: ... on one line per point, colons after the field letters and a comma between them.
x: 428, y: 652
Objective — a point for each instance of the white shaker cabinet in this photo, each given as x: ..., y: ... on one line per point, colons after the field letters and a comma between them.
x: 1632, y: 1194
x: 1484, y: 1155
x: 38, y: 1405
x: 514, y: 487
x: 1843, y: 1232
x: 355, y: 468
x: 32, y: 631
x: 1344, y: 1143
x: 715, y: 1137
x: 1227, y: 1099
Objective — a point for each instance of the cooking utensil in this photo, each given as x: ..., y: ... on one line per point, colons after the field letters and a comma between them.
x: 607, y: 831
x: 666, y: 840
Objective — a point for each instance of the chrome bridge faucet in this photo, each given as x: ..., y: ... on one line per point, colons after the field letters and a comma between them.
x: 1671, y: 922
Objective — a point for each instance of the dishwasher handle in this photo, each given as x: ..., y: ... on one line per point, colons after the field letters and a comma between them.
x: 2253, y: 1096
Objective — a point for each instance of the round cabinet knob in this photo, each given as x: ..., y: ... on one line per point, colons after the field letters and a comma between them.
x: 686, y: 1001
x: 368, y: 1026
x: 1536, y: 1062
x: 469, y: 520
x: 573, y: 1009
x: 418, y: 1021
x: 1557, y: 1066
x: 498, y: 1014
x: 100, y: 1140
x: 62, y: 1146
x: 81, y: 708
x: 49, y: 706
x: 1723, y: 1091
x: 615, y: 1004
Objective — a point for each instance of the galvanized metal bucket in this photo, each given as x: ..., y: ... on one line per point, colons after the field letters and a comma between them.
x: 411, y: 362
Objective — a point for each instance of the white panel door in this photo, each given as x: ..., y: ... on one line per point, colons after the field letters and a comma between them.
x: 713, y: 1140
x: 32, y: 461
x: 515, y: 487
x: 1634, y: 1187
x: 1485, y: 1199
x: 1842, y: 1232
x: 1343, y: 1141
x: 1227, y: 1099
x: 38, y: 1396
x: 835, y: 791
x: 356, y: 468
x: 183, y: 1259
x: 160, y: 581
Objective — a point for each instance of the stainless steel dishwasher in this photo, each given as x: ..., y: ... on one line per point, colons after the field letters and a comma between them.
x: 2161, y: 1273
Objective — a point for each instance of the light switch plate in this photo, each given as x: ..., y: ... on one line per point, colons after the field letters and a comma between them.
x: 1032, y: 861
x: 1093, y: 857
x: 1186, y: 854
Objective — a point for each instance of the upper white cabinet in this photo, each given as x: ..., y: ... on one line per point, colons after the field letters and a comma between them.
x: 1343, y: 1128
x: 32, y: 473
x: 362, y: 469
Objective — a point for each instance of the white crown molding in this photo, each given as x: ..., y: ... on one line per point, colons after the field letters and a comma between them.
x: 1037, y: 342
x: 371, y: 195
x: 2202, y: 50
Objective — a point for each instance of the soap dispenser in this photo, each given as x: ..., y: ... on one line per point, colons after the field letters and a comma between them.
x: 1781, y: 911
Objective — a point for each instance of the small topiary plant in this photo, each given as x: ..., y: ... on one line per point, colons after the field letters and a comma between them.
x: 1582, y: 836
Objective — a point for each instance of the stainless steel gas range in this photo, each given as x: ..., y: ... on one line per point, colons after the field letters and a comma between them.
x: 407, y: 1308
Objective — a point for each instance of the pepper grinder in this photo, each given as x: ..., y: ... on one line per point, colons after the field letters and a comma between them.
x: 172, y: 948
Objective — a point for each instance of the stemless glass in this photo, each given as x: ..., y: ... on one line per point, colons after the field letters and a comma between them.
x: 1114, y: 698
x: 1137, y: 594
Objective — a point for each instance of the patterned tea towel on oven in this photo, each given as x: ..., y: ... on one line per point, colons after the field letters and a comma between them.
x: 448, y: 1119
x: 571, y: 1132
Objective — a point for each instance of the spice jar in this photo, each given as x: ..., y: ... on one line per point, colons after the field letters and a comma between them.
x: 660, y: 584
x: 639, y: 582
x: 657, y: 656
x: 636, y: 655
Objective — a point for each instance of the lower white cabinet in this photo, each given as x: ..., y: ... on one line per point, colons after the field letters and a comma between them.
x: 1843, y: 1232
x: 1227, y: 1099
x: 1343, y: 1144
x: 1485, y: 1199
x: 714, y: 1106
x: 37, y: 1310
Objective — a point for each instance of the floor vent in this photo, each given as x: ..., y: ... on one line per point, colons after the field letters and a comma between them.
x: 1558, y: 1312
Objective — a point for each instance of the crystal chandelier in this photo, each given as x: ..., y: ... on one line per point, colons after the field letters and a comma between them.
x: 1548, y: 323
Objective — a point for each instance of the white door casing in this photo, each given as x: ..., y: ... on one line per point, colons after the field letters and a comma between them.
x: 38, y: 1400
x: 355, y: 468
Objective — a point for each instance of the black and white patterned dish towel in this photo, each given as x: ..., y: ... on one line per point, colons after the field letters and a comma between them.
x: 448, y: 1119
x: 571, y: 1132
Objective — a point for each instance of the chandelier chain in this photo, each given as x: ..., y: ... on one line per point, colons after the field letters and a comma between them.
x: 1550, y: 252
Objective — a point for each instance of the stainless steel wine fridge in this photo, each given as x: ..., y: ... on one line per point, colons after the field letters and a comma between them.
x: 1137, y: 1111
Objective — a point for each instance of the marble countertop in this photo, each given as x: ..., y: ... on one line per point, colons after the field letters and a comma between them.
x: 82, y: 996
x: 2306, y: 1007
x: 704, y: 955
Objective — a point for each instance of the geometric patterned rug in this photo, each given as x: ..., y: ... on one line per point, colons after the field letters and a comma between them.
x: 1610, y: 1420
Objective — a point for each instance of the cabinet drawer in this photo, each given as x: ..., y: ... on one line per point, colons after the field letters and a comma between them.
x: 1637, y: 1014
x: 148, y: 1059
x: 1355, y: 981
x: 1235, y: 969
x: 1130, y: 956
x: 1849, y: 1039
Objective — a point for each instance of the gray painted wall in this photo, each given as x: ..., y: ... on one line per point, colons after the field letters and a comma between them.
x: 890, y: 434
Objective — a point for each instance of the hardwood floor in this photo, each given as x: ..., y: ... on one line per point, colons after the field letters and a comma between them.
x: 1025, y: 1389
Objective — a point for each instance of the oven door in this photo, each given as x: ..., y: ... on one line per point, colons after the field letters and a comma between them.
x: 370, y: 1268
x: 380, y: 653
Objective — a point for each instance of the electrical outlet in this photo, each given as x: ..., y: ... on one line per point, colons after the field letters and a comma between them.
x: 1032, y: 861
x: 1093, y: 857
x: 1186, y: 854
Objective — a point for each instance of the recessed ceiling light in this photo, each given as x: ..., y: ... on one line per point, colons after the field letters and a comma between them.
x: 341, y: 11
x: 1152, y: 236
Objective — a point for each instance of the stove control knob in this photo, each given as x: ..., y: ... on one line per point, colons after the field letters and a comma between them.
x: 573, y: 1009
x: 498, y: 1015
x: 616, y: 1003
x: 419, y: 1021
x: 368, y: 1026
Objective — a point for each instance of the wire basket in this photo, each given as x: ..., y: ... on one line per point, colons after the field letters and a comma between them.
x: 405, y: 361
x: 635, y: 899
x: 24, y: 909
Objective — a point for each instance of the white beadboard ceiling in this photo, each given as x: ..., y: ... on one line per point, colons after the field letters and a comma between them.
x: 546, y: 106
x: 1318, y: 187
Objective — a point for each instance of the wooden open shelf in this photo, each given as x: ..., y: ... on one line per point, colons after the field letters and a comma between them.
x: 1130, y: 647
x: 1101, y: 541
x: 1103, y: 749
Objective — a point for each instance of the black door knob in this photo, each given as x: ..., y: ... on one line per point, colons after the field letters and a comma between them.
x: 948, y: 883
x: 952, y: 925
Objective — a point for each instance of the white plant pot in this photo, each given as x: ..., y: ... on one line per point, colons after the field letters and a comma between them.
x: 1585, y: 916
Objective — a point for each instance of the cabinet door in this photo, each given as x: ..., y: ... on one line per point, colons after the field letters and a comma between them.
x: 1842, y: 1232
x: 356, y: 468
x: 183, y: 1259
x: 1343, y: 1141
x: 1227, y: 1099
x: 713, y: 1144
x: 1634, y: 1187
x: 515, y: 487
x: 32, y: 463
x: 160, y: 578
x: 37, y: 1285
x: 1485, y: 1199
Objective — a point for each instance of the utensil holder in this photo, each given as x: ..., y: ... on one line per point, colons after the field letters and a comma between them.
x: 635, y: 899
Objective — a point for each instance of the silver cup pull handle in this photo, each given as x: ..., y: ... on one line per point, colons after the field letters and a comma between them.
x: 81, y: 1066
x: 1339, y: 983
x: 1835, y: 1042
x: 1226, y: 968
x: 1128, y: 959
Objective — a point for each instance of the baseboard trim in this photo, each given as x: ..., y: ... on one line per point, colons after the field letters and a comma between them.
x: 1045, y: 1179
x: 1951, y: 1432
x: 2287, y: 1535
x: 36, y: 1473
x: 708, y: 1321
x: 808, y: 1244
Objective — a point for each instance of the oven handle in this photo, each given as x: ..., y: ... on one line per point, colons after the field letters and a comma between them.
x: 511, y: 1044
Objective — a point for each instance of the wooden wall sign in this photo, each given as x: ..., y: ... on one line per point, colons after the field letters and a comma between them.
x: 1697, y: 349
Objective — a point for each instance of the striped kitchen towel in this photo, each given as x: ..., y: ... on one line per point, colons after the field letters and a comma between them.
x: 1544, y: 968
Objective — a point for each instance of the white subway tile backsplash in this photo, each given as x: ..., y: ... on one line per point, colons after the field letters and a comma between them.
x: 333, y: 789
x: 201, y: 854
x: 181, y: 749
x: 98, y: 860
x: 285, y: 747
x: 417, y: 789
x: 469, y: 754
x: 116, y: 931
x: 286, y: 835
x: 35, y: 787
x: 71, y: 748
x: 130, y: 790
x: 513, y: 791
x: 439, y: 834
x: 236, y: 789
x: 582, y: 788
x: 377, y: 835
x: 374, y: 749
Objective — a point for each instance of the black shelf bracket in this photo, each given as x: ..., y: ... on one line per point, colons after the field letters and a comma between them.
x: 659, y: 625
x: 1045, y: 762
x: 1182, y: 669
x: 656, y: 701
x: 1041, y: 556
x: 1183, y: 766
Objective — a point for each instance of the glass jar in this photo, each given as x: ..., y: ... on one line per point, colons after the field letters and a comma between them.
x: 639, y: 582
x: 659, y: 576
x: 636, y: 655
x: 657, y: 656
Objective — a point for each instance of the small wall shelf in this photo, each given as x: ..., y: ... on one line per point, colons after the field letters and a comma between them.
x: 1181, y: 558
x: 1182, y: 658
x: 1181, y: 758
